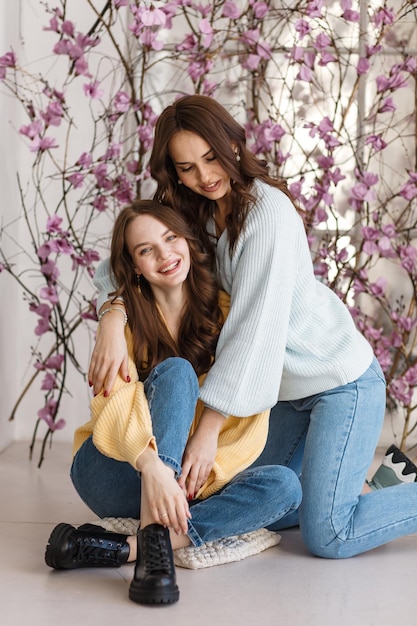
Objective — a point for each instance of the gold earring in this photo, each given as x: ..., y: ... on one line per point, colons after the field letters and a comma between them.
x: 237, y: 155
x: 138, y: 283
x: 179, y: 182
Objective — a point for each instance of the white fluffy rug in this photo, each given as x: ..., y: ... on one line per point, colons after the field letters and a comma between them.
x: 211, y: 553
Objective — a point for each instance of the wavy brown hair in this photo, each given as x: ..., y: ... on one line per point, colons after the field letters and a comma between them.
x: 202, y: 318
x: 205, y: 117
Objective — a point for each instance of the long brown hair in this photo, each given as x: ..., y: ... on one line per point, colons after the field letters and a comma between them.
x: 205, y: 117
x: 202, y: 318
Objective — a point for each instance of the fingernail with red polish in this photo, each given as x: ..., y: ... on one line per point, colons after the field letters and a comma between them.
x: 106, y: 394
x: 90, y: 384
x: 128, y: 379
x: 190, y: 496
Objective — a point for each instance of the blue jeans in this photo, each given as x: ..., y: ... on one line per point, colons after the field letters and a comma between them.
x: 329, y: 440
x: 255, y: 498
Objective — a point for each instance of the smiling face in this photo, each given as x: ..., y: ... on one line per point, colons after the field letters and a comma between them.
x: 198, y: 168
x: 161, y: 256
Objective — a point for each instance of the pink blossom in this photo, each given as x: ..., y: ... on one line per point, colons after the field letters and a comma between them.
x: 55, y: 362
x: 383, y: 16
x: 385, y: 247
x: 61, y: 246
x: 305, y: 74
x: 53, y: 25
x: 409, y: 190
x: 49, y: 293
x: 260, y: 9
x: 145, y: 133
x: 387, y: 106
x: 250, y: 37
x: 123, y: 191
x: 326, y: 57
x: 370, y: 247
x: 92, y: 90
x: 85, y: 160
x: 408, y: 256
x: 322, y: 41
x: 389, y: 230
x: 100, y: 203
x: 264, y: 50
x: 100, y: 172
x: 378, y: 287
x: 349, y: 15
x: 153, y: 17
x: 47, y: 414
x: 209, y: 88
x: 53, y: 224
x: 53, y: 114
x: 401, y: 390
x: 391, y: 83
x: 251, y: 62
x: 336, y: 176
x: 42, y: 144
x: 189, y: 43
x: 230, y: 10
x: 76, y: 179
x: 314, y: 8
x: 44, y: 251
x: 302, y: 27
x: 67, y: 28
x: 132, y: 166
x: 8, y: 60
x: 50, y: 270
x: 150, y: 40
x: 363, y: 66
x: 81, y: 67
x: 120, y: 3
x: 122, y: 101
x: 49, y: 382
x: 376, y: 141
x: 112, y: 152
x: 207, y: 31
x: 32, y: 130
x: 42, y: 326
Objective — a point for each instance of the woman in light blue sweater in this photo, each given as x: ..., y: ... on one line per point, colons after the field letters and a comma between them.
x: 288, y: 344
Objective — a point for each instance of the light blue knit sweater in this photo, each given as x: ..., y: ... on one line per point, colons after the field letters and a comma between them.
x: 287, y: 335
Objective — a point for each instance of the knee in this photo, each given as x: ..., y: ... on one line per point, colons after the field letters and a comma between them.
x: 321, y: 540
x: 286, y: 482
x: 179, y: 368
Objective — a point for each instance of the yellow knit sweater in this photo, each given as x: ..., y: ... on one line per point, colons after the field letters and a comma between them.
x: 122, y: 429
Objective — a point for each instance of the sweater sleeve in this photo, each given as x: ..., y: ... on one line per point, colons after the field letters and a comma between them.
x: 104, y: 283
x: 121, y: 424
x: 245, y: 377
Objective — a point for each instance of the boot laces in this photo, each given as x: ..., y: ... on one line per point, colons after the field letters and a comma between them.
x: 88, y: 550
x: 156, y: 553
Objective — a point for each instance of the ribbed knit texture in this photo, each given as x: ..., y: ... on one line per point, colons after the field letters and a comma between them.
x: 287, y: 336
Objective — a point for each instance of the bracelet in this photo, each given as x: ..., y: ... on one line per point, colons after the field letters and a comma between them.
x: 114, y: 308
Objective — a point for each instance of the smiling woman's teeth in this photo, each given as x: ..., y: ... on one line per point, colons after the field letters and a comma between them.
x: 170, y: 267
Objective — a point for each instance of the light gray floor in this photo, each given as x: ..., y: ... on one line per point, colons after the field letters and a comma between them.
x: 282, y: 586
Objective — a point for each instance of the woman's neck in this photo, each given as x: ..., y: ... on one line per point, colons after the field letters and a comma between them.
x: 171, y: 306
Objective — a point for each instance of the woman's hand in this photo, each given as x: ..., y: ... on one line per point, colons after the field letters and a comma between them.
x: 110, y: 353
x: 163, y: 501
x: 200, y: 452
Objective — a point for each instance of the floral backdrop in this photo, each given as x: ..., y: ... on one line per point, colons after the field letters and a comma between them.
x: 327, y: 93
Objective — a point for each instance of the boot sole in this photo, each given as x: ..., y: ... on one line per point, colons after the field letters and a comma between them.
x: 55, y: 541
x: 149, y: 596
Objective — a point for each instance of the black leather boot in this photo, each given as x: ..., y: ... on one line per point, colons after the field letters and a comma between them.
x: 154, y: 581
x: 86, y: 546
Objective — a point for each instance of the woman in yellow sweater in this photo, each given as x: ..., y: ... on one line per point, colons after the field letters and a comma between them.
x: 128, y: 459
